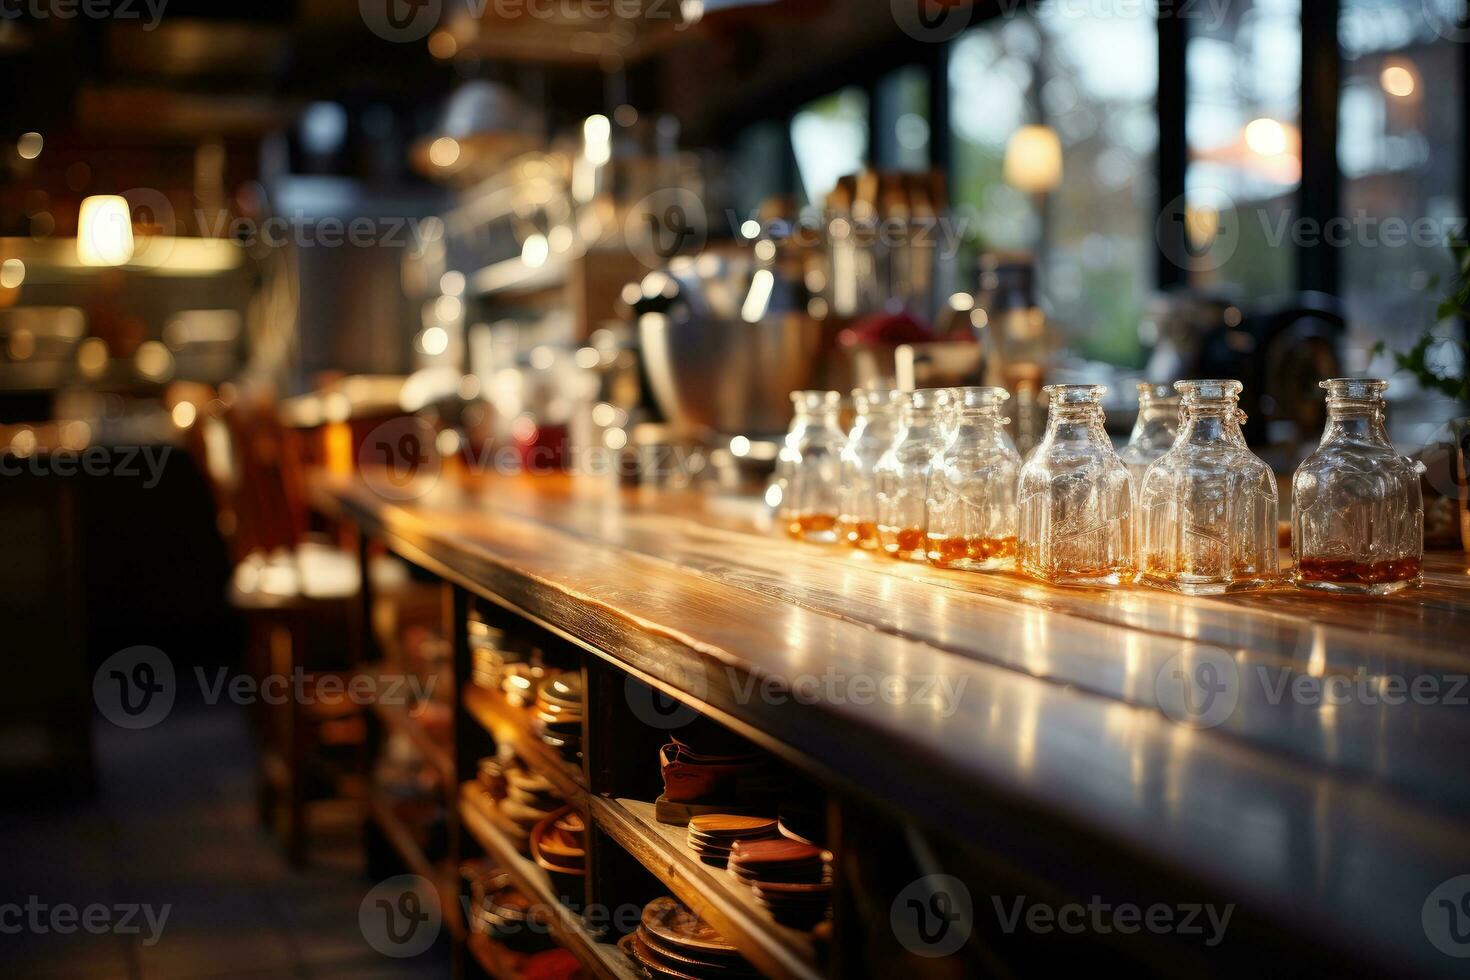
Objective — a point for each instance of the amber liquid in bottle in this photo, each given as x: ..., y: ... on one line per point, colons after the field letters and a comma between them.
x: 904, y: 542
x: 1159, y: 566
x: 963, y: 552
x: 860, y: 534
x: 1206, y: 508
x: 1350, y: 533
x: 809, y: 527
x: 1075, y: 497
x: 1359, y: 573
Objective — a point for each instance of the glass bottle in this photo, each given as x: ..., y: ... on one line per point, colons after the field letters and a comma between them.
x: 1075, y: 501
x: 1155, y: 429
x: 811, y: 462
x: 971, y: 510
x: 872, y: 433
x: 902, y: 478
x: 1207, y: 507
x: 1358, y: 511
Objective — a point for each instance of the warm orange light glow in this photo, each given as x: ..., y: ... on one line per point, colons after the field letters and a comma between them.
x: 1266, y: 137
x: 1033, y: 161
x: 442, y: 45
x: 1398, y: 80
x: 444, y: 152
x: 337, y: 439
x: 92, y: 356
x: 104, y: 231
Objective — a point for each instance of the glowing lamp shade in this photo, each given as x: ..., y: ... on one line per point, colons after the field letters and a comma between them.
x: 1034, y: 160
x: 104, y: 231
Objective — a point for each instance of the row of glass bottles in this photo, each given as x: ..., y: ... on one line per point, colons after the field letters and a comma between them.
x: 932, y: 476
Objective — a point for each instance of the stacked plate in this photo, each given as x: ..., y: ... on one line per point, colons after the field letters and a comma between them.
x: 803, y: 821
x: 501, y: 911
x: 672, y: 942
x: 558, y: 845
x: 488, y: 656
x: 559, y: 713
x: 529, y: 799
x: 789, y: 878
x: 519, y: 682
x: 713, y: 835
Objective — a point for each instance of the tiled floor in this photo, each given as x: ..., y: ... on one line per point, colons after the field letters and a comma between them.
x: 173, y: 825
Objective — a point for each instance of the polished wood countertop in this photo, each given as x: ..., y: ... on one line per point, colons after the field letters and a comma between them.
x: 1301, y: 754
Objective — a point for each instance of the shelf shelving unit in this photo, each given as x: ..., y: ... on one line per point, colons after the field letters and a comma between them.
x: 711, y: 893
x: 479, y: 820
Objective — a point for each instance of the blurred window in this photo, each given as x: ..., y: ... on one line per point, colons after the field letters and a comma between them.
x: 1243, y: 128
x: 902, y: 140
x: 1090, y: 73
x: 829, y: 137
x: 760, y: 160
x: 1401, y: 129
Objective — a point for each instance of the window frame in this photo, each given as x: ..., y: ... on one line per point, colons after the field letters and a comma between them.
x: 1318, y: 197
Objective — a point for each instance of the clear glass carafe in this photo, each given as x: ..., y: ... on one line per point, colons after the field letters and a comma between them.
x: 1155, y: 429
x: 902, y: 478
x: 811, y: 461
x: 1075, y: 501
x: 971, y: 510
x: 1358, y: 511
x: 1207, y: 507
x: 872, y: 433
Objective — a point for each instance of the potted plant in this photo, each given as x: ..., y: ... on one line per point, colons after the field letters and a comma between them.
x: 1420, y: 361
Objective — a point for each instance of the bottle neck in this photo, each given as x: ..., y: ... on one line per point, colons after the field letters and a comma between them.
x: 1073, y: 424
x: 1155, y: 421
x: 975, y: 426
x: 1211, y: 423
x: 1355, y: 422
x: 916, y: 425
x: 977, y: 418
x: 875, y: 425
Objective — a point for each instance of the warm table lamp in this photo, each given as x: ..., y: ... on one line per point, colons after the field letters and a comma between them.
x: 105, y: 231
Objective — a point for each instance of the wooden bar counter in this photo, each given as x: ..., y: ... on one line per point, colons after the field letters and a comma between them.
x: 1301, y: 755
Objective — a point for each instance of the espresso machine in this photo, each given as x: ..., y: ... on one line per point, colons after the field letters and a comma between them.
x: 1279, y: 349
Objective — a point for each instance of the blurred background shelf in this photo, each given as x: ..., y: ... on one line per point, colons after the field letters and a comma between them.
x: 398, y: 716
x: 401, y: 838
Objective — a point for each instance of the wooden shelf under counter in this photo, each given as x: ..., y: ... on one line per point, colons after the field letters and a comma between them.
x: 711, y: 893
x: 479, y: 819
x: 511, y: 725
